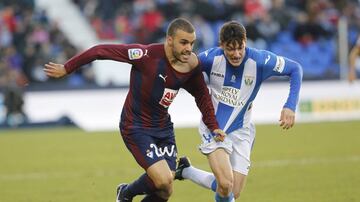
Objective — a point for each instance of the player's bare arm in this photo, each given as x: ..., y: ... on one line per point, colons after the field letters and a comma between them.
x: 355, y: 52
x: 287, y: 118
x: 55, y: 70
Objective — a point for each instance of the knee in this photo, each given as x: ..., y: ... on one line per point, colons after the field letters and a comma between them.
x: 225, y: 186
x: 164, y: 184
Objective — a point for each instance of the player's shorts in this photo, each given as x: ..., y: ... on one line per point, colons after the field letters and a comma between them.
x: 149, y: 146
x: 238, y: 144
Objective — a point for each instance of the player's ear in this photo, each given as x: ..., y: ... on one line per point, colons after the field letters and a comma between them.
x: 222, y: 45
x: 169, y: 40
x: 244, y: 43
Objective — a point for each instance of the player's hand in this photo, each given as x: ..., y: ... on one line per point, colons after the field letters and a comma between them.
x: 219, y: 135
x: 55, y: 70
x: 287, y: 118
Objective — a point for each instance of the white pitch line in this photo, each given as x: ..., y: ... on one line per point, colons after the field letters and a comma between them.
x: 305, y: 161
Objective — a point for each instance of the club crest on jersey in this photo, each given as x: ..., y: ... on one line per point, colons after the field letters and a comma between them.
x: 249, y: 80
x: 135, y: 53
x: 168, y: 97
x: 149, y: 154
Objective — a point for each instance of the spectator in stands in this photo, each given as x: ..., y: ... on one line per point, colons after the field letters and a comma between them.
x: 354, y: 55
x: 280, y: 13
x: 12, y: 81
x: 268, y: 28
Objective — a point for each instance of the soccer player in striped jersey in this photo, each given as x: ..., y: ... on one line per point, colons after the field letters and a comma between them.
x: 158, y: 72
x: 235, y: 74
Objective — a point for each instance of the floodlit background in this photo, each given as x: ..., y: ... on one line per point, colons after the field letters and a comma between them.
x: 59, y: 139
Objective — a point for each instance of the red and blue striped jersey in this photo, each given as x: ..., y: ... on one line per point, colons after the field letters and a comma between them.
x: 154, y: 84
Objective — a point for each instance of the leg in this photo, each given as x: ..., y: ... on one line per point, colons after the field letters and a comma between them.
x: 151, y: 154
x: 203, y: 178
x: 162, y: 177
x: 219, y: 162
x: 218, y: 157
x: 158, y: 179
x: 239, y: 184
x: 240, y: 157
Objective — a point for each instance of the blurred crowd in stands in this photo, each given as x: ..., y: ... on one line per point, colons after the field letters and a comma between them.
x: 304, y: 30
x: 27, y: 41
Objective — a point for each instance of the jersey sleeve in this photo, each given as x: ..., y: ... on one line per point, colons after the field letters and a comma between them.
x: 128, y: 53
x: 196, y: 86
x: 274, y: 65
x: 206, y: 61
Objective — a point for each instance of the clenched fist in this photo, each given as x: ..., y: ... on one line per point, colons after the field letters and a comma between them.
x: 219, y: 135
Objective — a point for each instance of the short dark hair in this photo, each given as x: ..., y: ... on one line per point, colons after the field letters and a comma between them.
x: 232, y: 32
x: 179, y: 23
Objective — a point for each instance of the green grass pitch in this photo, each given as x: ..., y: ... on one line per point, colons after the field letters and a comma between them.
x: 317, y: 162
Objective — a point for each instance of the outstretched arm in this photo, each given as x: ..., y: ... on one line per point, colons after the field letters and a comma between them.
x: 354, y: 53
x: 117, y: 52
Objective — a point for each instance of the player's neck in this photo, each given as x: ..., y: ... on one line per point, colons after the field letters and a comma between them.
x: 182, y: 67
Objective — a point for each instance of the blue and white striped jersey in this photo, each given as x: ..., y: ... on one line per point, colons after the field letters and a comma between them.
x: 233, y: 89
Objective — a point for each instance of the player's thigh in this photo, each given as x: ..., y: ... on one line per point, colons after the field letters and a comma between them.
x: 168, y: 149
x: 160, y: 174
x: 143, y: 147
x: 239, y: 183
x: 242, y: 140
x: 219, y: 162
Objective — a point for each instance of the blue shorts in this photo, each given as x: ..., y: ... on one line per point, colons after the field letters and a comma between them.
x: 149, y: 146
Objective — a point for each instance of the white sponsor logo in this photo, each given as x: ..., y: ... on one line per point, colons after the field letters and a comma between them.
x: 159, y: 152
x: 267, y: 59
x: 280, y: 64
x: 135, y: 53
x: 230, y: 96
x: 163, y: 77
x: 168, y: 97
x: 146, y: 53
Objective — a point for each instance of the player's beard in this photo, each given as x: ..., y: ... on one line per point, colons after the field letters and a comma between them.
x: 178, y: 55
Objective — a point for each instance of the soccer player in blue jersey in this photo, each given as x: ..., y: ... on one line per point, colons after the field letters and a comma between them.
x: 235, y: 74
x: 158, y: 72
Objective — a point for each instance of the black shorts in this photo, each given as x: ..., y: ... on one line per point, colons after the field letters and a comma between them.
x: 149, y: 146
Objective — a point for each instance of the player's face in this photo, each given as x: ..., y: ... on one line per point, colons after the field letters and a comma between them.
x: 182, y: 45
x: 234, y: 52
